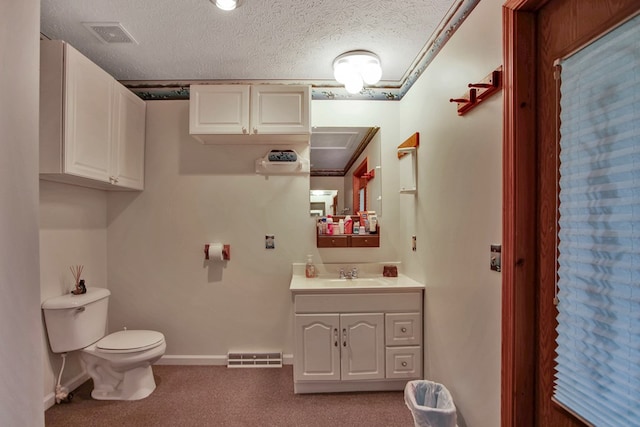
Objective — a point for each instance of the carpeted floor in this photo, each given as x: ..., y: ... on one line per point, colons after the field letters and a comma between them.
x: 219, y: 396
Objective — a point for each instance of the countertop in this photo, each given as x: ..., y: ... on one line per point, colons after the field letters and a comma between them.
x: 369, y: 279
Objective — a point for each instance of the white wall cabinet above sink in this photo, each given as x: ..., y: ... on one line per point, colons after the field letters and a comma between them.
x: 254, y: 114
x: 92, y: 128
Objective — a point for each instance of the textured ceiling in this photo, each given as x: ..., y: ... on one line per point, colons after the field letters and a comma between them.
x: 289, y: 40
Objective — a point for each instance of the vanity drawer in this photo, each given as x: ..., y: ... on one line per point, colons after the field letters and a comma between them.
x: 403, y: 329
x: 365, y: 241
x: 403, y: 362
x: 340, y: 241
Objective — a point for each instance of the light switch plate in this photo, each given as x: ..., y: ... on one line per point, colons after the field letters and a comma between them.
x: 269, y: 241
x: 496, y: 259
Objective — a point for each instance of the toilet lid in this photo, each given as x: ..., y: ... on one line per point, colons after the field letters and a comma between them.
x: 129, y: 341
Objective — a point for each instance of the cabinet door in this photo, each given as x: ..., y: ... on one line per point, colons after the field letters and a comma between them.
x: 129, y: 133
x: 317, y: 341
x: 219, y: 109
x: 88, y: 117
x: 280, y: 109
x: 362, y: 337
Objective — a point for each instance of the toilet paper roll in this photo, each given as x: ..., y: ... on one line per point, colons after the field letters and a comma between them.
x: 215, y: 251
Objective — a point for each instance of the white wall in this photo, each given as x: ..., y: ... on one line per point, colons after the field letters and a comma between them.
x: 196, y: 194
x: 457, y: 215
x: 73, y: 231
x: 20, y: 329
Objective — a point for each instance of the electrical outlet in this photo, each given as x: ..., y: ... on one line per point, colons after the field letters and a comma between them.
x: 413, y: 243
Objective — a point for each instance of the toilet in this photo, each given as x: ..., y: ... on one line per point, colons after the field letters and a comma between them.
x: 119, y: 363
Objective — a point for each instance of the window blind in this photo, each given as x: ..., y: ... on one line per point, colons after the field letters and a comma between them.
x: 598, y: 345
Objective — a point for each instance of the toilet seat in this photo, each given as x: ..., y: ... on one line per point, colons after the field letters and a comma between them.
x: 129, y: 341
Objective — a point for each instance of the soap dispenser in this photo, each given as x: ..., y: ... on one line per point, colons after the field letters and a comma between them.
x: 310, y: 269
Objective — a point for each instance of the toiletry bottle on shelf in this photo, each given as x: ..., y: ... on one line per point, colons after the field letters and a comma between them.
x: 310, y: 269
x: 341, y: 226
x: 329, y: 225
x: 320, y: 226
x: 373, y: 224
x: 348, y: 225
x: 356, y: 227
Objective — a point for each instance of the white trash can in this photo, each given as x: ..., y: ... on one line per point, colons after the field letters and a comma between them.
x: 430, y: 403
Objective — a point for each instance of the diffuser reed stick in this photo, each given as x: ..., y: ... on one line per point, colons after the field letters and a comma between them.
x: 76, y: 271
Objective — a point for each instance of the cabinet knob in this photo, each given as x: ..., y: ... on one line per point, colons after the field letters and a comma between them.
x: 403, y: 329
x: 404, y: 364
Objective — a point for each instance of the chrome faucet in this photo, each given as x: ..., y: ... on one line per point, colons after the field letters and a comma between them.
x: 353, y: 274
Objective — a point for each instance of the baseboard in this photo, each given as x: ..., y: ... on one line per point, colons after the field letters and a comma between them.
x: 71, y: 385
x: 213, y: 360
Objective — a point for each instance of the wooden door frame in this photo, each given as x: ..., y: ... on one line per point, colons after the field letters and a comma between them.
x: 519, y: 215
x: 356, y: 180
x: 526, y: 233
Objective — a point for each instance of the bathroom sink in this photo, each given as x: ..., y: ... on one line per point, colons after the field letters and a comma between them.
x: 367, y: 281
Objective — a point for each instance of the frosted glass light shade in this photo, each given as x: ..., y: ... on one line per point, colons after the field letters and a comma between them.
x: 226, y: 4
x: 355, y: 68
x: 371, y: 72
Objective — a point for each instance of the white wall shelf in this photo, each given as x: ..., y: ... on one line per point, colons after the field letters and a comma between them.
x: 408, y: 170
x: 300, y: 166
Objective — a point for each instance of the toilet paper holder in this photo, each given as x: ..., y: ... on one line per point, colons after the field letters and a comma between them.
x: 226, y: 252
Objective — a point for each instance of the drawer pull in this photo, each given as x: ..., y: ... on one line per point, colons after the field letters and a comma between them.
x: 404, y: 364
x: 403, y: 330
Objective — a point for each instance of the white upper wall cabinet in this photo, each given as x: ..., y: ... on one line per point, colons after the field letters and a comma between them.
x: 229, y: 114
x: 92, y: 128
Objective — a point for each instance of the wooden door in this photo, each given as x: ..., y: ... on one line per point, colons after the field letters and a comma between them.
x: 536, y: 32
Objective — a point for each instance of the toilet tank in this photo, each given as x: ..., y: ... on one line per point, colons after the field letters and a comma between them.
x: 76, y: 321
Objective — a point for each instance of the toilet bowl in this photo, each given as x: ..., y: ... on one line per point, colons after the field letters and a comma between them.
x: 120, y: 364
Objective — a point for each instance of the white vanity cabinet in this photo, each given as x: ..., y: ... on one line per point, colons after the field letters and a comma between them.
x: 250, y: 113
x: 340, y: 346
x: 357, y: 341
x: 92, y: 128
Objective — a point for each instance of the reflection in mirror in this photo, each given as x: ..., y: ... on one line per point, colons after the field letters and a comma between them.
x: 337, y: 158
x: 323, y: 202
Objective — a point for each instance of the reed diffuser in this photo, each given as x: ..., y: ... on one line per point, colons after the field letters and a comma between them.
x: 76, y: 270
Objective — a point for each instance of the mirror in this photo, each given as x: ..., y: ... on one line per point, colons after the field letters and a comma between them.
x: 336, y: 154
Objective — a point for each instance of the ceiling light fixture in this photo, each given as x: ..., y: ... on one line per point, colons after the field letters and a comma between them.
x: 226, y: 4
x: 355, y: 68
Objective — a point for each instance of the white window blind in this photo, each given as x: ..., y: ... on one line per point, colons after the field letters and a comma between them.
x: 598, y: 345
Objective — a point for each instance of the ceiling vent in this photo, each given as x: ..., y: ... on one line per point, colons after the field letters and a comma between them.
x: 109, y: 32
